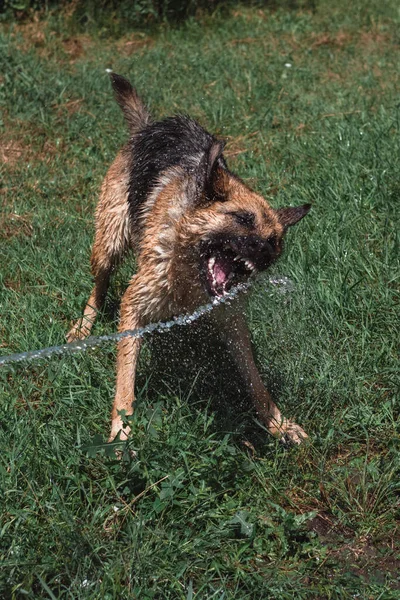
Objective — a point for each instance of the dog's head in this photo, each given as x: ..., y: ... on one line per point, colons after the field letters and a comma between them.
x: 229, y: 231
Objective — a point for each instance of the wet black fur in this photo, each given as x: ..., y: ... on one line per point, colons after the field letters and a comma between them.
x: 175, y: 141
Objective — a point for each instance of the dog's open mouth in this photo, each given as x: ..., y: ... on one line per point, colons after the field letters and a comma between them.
x: 224, y: 270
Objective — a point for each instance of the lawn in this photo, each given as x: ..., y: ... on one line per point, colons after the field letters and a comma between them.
x: 212, y: 507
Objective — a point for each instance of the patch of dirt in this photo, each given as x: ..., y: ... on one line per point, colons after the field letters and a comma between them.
x: 12, y: 225
x: 70, y: 107
x: 11, y: 151
x: 369, y: 41
x: 131, y: 44
x: 34, y: 35
x: 13, y: 284
x: 372, y: 560
x: 76, y: 47
x: 27, y: 142
x: 332, y: 76
x: 14, y: 150
x: 374, y: 38
x: 14, y: 153
x: 322, y: 525
x: 236, y: 144
x: 372, y: 563
x: 337, y: 40
x: 33, y: 32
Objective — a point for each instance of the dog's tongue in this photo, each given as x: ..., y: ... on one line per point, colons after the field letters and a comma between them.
x: 219, y: 274
x: 221, y: 270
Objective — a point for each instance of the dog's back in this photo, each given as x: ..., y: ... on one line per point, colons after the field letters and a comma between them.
x: 157, y: 147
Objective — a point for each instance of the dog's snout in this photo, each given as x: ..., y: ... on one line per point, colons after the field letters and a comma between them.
x: 255, y: 244
x: 268, y: 246
x: 258, y: 246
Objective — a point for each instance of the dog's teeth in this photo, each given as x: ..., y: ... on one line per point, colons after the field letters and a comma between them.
x: 249, y: 265
x: 210, y: 266
x: 237, y: 258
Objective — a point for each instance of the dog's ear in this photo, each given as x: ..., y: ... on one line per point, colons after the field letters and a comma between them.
x: 292, y: 215
x: 214, y: 153
x: 201, y: 185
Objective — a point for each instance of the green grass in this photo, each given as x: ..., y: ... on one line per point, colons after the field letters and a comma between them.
x: 200, y: 514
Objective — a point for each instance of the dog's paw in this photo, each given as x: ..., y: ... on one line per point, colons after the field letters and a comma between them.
x: 126, y: 455
x: 79, y: 331
x: 117, y: 427
x: 120, y: 434
x: 287, y: 432
x: 291, y: 433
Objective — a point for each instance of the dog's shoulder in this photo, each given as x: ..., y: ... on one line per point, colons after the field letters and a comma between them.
x: 177, y: 141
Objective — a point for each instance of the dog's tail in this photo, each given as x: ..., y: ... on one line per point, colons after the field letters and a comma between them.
x: 136, y: 114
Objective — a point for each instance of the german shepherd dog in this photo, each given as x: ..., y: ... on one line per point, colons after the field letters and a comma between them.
x: 196, y: 230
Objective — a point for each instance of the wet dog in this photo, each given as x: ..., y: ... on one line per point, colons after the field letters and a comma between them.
x: 196, y: 230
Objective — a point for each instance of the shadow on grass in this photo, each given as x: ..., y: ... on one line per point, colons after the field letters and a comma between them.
x: 194, y: 364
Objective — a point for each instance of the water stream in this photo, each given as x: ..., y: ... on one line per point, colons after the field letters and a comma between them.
x: 283, y: 283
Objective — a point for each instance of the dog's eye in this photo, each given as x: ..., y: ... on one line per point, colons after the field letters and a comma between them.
x: 245, y: 219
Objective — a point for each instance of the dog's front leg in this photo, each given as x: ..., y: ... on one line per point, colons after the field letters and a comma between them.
x: 236, y: 335
x: 128, y: 354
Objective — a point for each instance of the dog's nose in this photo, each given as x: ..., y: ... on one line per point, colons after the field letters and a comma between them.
x: 262, y: 251
x: 255, y: 247
x: 255, y: 244
x: 248, y: 243
x: 261, y: 246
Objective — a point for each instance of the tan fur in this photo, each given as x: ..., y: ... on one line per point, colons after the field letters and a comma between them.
x: 112, y: 239
x: 167, y: 281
